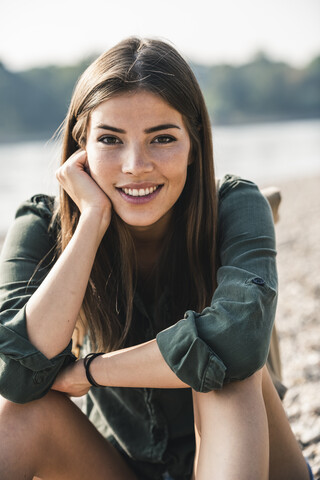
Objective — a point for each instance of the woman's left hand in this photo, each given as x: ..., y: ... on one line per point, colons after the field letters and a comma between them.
x: 72, y: 380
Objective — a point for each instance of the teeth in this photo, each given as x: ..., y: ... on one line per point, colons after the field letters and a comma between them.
x: 139, y: 193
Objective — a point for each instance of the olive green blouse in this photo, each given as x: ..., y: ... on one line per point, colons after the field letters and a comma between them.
x: 228, y: 340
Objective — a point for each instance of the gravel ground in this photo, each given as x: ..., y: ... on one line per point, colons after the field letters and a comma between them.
x: 298, y: 319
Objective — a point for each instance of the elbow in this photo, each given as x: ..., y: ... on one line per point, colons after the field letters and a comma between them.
x: 245, y: 351
x: 248, y: 360
x: 19, y: 385
x: 20, y: 393
x: 17, y: 397
x: 245, y: 369
x: 250, y: 347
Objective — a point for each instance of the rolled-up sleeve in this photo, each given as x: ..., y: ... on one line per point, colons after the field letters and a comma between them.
x: 27, y: 255
x: 229, y: 340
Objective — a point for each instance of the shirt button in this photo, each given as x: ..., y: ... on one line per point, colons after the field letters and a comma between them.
x: 258, y: 281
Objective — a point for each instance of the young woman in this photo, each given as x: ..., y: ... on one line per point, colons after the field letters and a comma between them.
x: 173, y: 281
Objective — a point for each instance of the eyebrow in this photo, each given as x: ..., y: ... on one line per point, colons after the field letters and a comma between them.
x: 164, y: 126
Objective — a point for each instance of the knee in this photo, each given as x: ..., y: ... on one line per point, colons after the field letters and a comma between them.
x: 254, y: 382
x: 10, y: 411
x: 239, y: 387
x: 29, y: 416
x: 19, y: 426
x: 232, y: 397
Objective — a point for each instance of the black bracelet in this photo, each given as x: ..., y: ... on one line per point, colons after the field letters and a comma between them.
x: 87, y: 360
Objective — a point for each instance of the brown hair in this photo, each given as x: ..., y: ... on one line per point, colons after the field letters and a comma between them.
x: 187, y: 266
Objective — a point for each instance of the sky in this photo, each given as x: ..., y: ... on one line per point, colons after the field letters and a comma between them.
x: 43, y: 32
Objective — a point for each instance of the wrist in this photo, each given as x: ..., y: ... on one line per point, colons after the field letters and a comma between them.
x: 87, y: 363
x: 80, y: 373
x: 100, y: 370
x: 96, y: 220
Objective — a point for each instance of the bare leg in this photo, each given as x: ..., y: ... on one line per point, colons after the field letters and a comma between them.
x: 231, y: 426
x: 52, y: 439
x: 223, y: 450
x: 286, y: 459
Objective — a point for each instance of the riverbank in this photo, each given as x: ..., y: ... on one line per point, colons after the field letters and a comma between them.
x: 298, y: 322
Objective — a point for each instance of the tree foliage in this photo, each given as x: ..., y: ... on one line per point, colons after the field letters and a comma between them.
x: 34, y: 102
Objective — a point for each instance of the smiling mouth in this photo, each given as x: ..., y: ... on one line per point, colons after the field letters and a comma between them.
x: 141, y: 192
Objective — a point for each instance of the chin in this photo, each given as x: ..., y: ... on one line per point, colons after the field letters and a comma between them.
x: 140, y: 223
x: 146, y: 221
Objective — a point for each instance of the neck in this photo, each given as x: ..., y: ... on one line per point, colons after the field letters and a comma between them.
x: 149, y: 242
x: 151, y: 235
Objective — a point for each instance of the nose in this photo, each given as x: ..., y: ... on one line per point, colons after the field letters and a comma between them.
x: 136, y: 161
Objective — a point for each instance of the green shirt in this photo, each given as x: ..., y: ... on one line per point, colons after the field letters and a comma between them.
x: 228, y: 340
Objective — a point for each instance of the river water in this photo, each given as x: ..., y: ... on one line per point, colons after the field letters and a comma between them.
x: 265, y: 153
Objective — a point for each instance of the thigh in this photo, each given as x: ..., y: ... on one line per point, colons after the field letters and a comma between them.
x: 55, y: 440
x: 286, y: 459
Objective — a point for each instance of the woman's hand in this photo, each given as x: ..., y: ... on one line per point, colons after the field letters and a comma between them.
x: 74, y: 177
x: 72, y: 380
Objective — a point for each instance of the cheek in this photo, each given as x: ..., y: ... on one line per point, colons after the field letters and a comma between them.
x: 179, y: 170
x: 94, y: 155
x: 176, y: 161
x: 98, y: 165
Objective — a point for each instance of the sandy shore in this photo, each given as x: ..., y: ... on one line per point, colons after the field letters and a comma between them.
x: 298, y: 318
x: 298, y: 322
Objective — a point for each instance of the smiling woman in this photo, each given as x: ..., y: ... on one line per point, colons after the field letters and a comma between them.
x: 172, y: 282
x: 150, y: 151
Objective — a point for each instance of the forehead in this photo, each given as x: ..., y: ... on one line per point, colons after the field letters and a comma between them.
x: 140, y: 107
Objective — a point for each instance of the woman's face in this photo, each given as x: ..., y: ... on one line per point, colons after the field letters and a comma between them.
x: 138, y: 153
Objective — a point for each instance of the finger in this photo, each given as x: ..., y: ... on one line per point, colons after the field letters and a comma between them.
x: 87, y: 167
x: 80, y: 157
x: 74, y: 163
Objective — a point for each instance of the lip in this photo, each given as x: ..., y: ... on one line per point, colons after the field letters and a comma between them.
x: 140, y: 200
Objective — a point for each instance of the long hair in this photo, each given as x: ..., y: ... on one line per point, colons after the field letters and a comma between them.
x: 187, y: 266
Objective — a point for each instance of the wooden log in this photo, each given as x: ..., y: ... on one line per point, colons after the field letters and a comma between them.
x: 273, y: 196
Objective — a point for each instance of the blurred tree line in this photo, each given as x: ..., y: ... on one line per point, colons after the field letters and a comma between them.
x: 34, y: 102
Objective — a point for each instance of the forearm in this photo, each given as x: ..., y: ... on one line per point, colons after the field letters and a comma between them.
x: 139, y: 366
x: 53, y: 309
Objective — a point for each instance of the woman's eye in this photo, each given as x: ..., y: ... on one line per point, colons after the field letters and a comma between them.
x: 109, y: 140
x: 164, y: 139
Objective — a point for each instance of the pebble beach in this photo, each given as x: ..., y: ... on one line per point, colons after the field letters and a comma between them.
x: 298, y: 317
x: 298, y: 314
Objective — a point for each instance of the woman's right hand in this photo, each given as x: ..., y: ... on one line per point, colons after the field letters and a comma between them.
x: 53, y: 309
x: 75, y: 179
